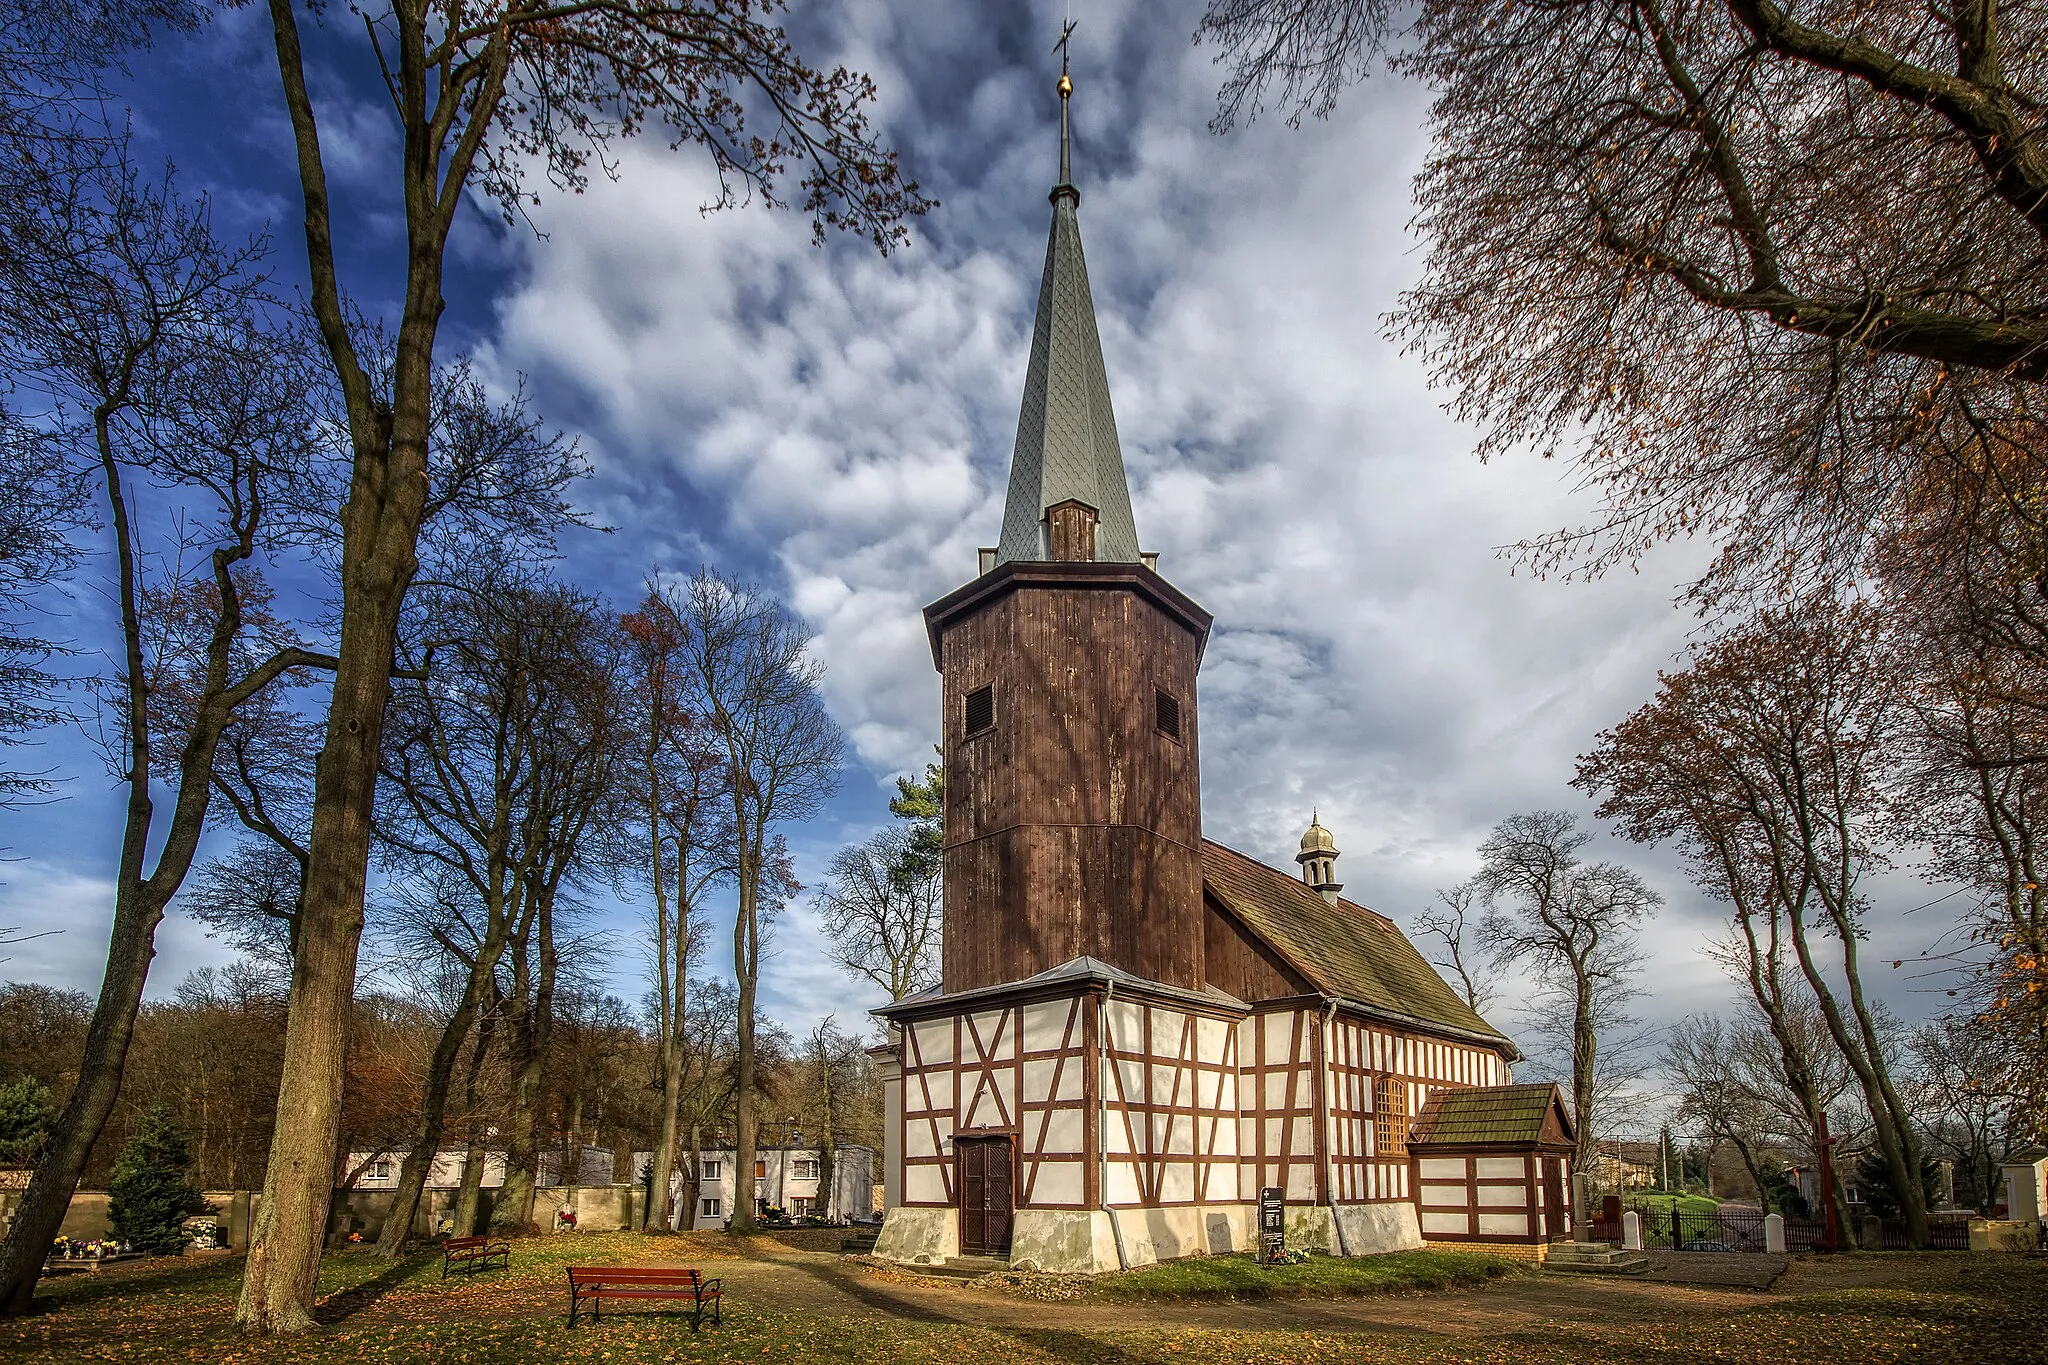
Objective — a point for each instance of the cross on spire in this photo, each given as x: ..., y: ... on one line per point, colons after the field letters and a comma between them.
x: 1066, y: 181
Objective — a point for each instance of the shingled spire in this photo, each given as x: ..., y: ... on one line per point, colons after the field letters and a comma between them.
x: 1067, y: 456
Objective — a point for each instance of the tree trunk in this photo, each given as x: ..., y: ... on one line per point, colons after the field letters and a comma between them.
x: 43, y: 1205
x: 827, y: 1153
x: 572, y: 1147
x: 746, y: 961
x: 694, y: 1172
x: 284, y: 1245
x: 665, y: 1143
x: 1585, y: 1054
x: 469, y: 1194
x: 419, y: 1162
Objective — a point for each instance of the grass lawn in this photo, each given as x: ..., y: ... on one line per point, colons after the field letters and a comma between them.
x: 1241, y: 1277
x: 1937, y: 1308
x: 1687, y: 1203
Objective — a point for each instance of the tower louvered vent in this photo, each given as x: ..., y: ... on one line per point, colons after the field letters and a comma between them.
x: 1166, y: 713
x: 981, y: 709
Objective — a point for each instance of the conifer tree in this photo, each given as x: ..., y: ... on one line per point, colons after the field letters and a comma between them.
x: 150, y: 1196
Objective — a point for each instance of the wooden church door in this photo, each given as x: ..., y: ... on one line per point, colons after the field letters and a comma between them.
x: 1556, y: 1222
x: 985, y: 1195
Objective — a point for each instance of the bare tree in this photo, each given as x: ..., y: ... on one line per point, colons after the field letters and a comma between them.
x: 881, y: 904
x: 1573, y: 924
x: 683, y: 815
x: 754, y: 680
x: 1765, y: 762
x: 481, y: 93
x: 1455, y: 928
x: 1959, y: 1081
x: 162, y: 371
x: 1659, y: 238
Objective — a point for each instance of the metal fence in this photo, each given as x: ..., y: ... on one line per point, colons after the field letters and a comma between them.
x: 1668, y: 1227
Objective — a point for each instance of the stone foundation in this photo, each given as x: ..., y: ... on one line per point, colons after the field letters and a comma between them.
x: 1521, y: 1251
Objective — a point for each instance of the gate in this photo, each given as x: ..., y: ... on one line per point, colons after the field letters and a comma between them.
x: 986, y: 1209
x: 1943, y: 1234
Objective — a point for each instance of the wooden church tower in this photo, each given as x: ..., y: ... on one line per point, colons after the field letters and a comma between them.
x: 1137, y: 1030
x: 1073, y: 794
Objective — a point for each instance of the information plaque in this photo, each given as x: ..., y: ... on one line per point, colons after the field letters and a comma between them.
x: 1272, y: 1227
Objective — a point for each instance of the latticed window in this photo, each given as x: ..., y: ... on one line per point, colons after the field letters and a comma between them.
x: 1390, y: 1116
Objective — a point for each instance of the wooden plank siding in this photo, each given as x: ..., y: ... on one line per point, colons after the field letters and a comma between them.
x: 1073, y: 825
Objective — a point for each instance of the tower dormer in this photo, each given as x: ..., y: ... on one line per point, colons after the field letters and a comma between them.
x: 1318, y: 859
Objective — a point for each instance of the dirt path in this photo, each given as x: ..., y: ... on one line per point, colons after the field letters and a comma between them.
x: 833, y: 1286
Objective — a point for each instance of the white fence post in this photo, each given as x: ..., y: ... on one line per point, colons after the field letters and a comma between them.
x: 1774, y: 1233
x: 1632, y: 1231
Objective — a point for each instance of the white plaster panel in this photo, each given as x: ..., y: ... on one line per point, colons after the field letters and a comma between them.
x: 1126, y: 1026
x: 1162, y: 1086
x: 1226, y: 1090
x: 1301, y: 1182
x: 1059, y: 1182
x: 1276, y: 1091
x: 1222, y: 1136
x: 1501, y: 1168
x: 1276, y: 1135
x: 934, y: 1041
x: 1045, y: 1024
x: 1038, y: 1081
x: 1453, y: 1195
x: 1177, y: 1182
x: 937, y: 1085
x: 1504, y: 1224
x: 1166, y: 1028
x: 1180, y: 1134
x: 993, y: 1028
x: 923, y: 1185
x: 1503, y: 1196
x: 1444, y: 1222
x: 1442, y: 1167
x: 1212, y: 1040
x: 1123, y: 1183
x: 1113, y: 1138
x: 1072, y: 1079
x: 1065, y: 1131
x: 919, y: 1140
x: 1131, y: 1075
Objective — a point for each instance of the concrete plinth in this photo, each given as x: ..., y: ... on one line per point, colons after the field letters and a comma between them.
x: 1375, y: 1229
x: 919, y: 1236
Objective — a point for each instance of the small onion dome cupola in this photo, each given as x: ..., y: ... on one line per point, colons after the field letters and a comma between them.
x: 1318, y: 859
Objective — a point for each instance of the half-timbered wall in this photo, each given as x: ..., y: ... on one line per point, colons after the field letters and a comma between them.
x: 1172, y: 1123
x: 1018, y: 1071
x: 1487, y: 1197
x: 1277, y: 1131
x: 1361, y: 1052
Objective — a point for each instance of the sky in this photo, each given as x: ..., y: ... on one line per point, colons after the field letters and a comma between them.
x: 837, y: 426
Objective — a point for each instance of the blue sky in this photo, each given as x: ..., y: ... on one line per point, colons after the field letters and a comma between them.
x: 837, y: 425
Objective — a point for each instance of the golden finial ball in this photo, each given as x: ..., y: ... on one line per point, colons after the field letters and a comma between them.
x: 1066, y: 86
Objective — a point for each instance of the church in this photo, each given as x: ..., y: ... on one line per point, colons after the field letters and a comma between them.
x: 1138, y: 1030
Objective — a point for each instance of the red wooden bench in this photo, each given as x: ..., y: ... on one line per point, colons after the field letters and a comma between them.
x: 592, y: 1284
x: 472, y: 1254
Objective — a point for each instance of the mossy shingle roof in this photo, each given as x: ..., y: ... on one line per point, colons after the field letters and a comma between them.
x: 1343, y: 949
x: 1495, y: 1114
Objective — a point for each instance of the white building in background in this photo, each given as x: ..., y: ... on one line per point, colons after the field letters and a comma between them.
x: 787, y: 1178
x: 379, y: 1170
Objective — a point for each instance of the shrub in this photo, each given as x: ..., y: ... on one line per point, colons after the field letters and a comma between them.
x: 26, y: 1116
x: 151, y: 1199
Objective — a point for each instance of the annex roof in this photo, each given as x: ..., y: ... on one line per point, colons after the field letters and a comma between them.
x: 1342, y: 950
x: 1494, y: 1115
